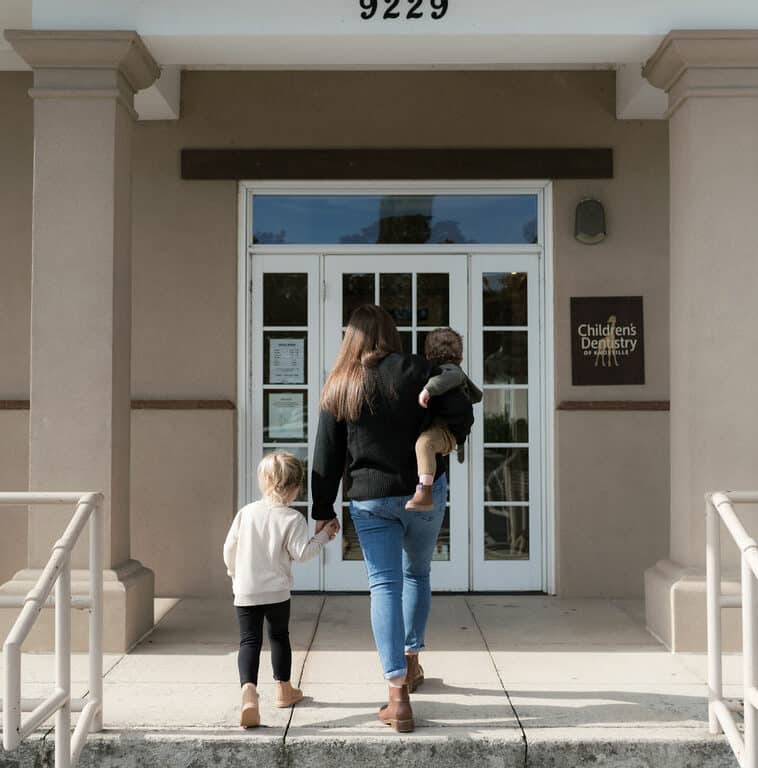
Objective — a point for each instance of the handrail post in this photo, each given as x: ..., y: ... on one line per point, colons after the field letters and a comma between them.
x: 713, y: 608
x: 749, y: 607
x: 12, y: 697
x: 63, y: 664
x: 96, y: 613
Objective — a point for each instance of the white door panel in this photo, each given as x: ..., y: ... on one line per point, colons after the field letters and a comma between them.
x: 422, y: 292
x: 284, y: 376
x: 506, y: 534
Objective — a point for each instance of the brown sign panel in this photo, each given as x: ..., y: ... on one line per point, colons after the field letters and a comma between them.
x: 607, y: 342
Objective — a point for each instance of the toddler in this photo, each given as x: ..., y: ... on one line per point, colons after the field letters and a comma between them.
x: 443, y: 348
x: 264, y: 539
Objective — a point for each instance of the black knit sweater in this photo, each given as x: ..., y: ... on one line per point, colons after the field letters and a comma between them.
x: 378, y: 449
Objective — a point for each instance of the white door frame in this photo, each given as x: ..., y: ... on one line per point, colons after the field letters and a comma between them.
x: 542, y: 188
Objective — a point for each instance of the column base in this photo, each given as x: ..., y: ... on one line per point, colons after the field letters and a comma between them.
x: 128, y: 593
x: 675, y: 607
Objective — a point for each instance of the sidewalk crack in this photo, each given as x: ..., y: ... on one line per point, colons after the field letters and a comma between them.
x: 500, y: 679
x: 302, y: 667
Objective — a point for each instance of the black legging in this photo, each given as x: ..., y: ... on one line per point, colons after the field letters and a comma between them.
x: 250, y: 619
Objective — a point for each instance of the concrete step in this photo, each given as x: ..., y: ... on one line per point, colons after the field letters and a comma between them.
x: 455, y: 748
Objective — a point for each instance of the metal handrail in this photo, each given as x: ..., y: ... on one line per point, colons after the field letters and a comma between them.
x: 57, y: 574
x: 719, y: 508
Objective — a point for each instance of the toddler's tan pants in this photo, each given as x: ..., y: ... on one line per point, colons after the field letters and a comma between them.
x: 437, y: 439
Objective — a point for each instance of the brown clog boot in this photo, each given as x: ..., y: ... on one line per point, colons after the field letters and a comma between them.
x: 250, y: 716
x: 422, y: 500
x: 286, y: 695
x: 415, y: 672
x: 398, y: 713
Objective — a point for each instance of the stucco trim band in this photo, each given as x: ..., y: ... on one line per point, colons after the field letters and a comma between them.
x: 614, y: 405
x: 144, y: 405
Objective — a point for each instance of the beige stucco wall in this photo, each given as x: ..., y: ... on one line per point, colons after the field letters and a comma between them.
x: 14, y: 476
x: 182, y: 496
x: 16, y: 151
x: 15, y: 306
x: 184, y: 283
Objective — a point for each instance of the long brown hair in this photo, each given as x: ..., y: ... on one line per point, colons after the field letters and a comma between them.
x: 370, y: 336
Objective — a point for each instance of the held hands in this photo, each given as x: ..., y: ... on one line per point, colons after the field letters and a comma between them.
x: 332, y: 527
x: 423, y: 398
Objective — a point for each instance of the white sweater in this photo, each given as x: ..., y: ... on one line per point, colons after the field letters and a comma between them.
x: 259, y: 549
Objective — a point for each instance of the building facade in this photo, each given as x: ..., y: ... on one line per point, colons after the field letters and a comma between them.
x: 178, y: 267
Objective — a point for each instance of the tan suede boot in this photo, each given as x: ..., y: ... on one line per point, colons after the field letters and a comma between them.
x: 415, y: 672
x: 398, y: 713
x: 286, y: 695
x: 250, y: 716
x: 422, y: 500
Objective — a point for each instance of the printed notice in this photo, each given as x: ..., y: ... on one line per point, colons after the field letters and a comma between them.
x: 286, y: 361
x: 285, y: 415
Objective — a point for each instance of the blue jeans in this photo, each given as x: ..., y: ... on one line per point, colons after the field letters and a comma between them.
x: 397, y: 547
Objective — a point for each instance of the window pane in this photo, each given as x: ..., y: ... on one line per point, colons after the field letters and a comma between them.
x: 406, y: 337
x: 395, y: 296
x: 285, y: 355
x: 420, y: 341
x: 302, y: 454
x: 351, y: 548
x: 505, y: 357
x: 506, y: 474
x: 506, y: 416
x: 357, y: 290
x: 504, y: 298
x: 432, y: 299
x: 285, y: 416
x: 285, y: 298
x: 442, y: 550
x: 281, y: 219
x: 506, y: 533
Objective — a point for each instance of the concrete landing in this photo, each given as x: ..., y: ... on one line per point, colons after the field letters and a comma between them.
x: 511, y: 681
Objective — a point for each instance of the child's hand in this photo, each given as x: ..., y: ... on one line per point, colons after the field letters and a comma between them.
x: 423, y: 398
x: 333, y: 528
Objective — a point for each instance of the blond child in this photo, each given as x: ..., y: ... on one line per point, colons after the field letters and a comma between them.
x: 264, y: 538
x: 444, y: 349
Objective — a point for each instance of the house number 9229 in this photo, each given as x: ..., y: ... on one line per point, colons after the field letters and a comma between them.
x: 396, y: 9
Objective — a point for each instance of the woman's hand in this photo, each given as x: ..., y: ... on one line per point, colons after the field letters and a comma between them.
x: 423, y: 398
x: 332, y: 526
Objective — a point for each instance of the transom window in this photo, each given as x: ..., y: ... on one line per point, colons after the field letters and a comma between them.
x: 395, y: 219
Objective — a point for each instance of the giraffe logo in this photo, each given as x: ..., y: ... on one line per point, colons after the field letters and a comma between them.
x: 605, y: 353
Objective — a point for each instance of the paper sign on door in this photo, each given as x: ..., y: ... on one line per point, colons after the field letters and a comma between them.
x: 285, y: 415
x: 286, y: 361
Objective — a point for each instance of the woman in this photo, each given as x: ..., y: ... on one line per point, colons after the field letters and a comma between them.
x: 369, y: 422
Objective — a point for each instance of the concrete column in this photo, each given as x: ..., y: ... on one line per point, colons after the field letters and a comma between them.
x: 84, y: 86
x: 711, y: 78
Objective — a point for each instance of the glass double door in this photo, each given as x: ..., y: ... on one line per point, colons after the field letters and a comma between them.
x: 491, y: 538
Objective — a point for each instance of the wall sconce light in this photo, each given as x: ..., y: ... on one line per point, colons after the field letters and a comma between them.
x: 589, y: 222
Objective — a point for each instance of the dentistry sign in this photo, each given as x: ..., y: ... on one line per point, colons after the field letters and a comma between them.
x: 607, y: 344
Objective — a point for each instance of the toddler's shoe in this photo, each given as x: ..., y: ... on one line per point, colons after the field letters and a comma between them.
x: 250, y: 716
x: 286, y: 695
x: 422, y: 500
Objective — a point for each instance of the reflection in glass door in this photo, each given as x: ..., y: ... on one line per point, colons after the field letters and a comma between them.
x: 421, y: 292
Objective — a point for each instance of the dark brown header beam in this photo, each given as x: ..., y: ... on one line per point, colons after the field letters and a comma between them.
x: 396, y: 164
